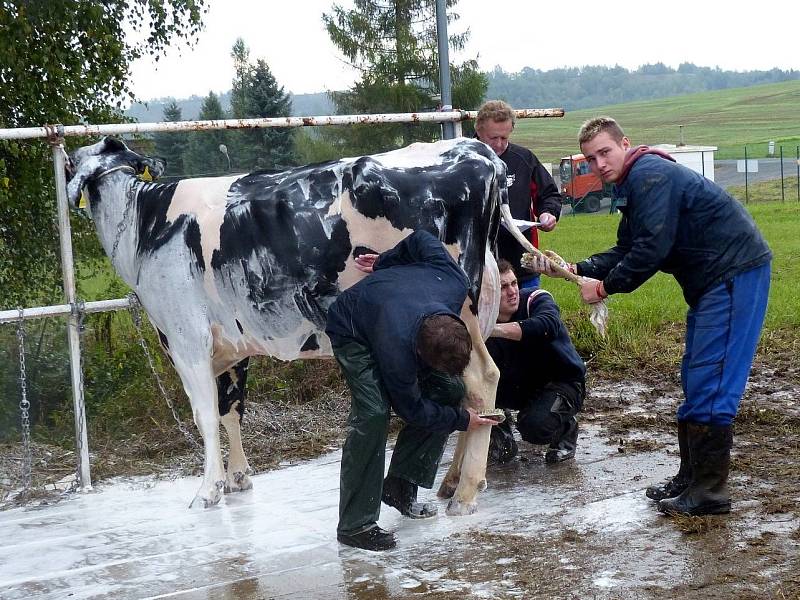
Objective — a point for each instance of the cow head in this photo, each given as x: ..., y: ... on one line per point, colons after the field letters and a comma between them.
x: 90, y: 163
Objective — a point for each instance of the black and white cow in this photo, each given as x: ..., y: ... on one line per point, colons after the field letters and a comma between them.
x: 230, y: 267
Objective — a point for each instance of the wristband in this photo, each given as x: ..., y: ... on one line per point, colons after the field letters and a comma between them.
x: 600, y: 290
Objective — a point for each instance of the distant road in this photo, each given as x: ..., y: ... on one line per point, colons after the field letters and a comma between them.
x: 725, y: 173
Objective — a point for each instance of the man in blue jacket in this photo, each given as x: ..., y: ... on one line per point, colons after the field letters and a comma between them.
x: 400, y: 343
x: 677, y: 221
x: 541, y: 374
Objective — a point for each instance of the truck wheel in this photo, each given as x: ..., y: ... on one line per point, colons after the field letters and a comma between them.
x: 591, y: 203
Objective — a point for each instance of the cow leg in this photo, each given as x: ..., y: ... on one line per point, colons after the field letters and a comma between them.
x: 231, y: 389
x: 480, y: 377
x: 450, y: 481
x: 199, y: 385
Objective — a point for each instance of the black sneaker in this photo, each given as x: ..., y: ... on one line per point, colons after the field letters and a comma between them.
x: 402, y: 494
x: 564, y: 448
x: 374, y: 538
x: 502, y: 445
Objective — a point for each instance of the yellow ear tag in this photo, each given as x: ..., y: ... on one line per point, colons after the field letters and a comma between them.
x: 84, y: 201
x: 145, y: 176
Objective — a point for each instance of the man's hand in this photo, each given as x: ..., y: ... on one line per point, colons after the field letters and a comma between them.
x: 540, y: 264
x: 592, y: 290
x: 475, y: 421
x: 365, y: 262
x: 547, y: 222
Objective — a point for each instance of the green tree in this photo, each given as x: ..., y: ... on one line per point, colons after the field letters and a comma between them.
x: 256, y: 94
x: 171, y: 146
x: 393, y: 44
x: 64, y: 61
x: 205, y: 150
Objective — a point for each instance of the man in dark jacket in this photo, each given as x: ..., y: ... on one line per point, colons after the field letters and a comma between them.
x: 532, y: 193
x: 541, y: 374
x: 677, y: 221
x: 400, y: 343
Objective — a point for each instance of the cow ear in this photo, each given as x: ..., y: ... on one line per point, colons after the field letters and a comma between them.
x: 75, y: 187
x: 151, y: 168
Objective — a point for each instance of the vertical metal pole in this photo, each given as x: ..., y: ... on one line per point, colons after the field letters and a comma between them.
x: 746, y: 189
x: 73, y: 337
x: 797, y: 151
x: 448, y: 131
x: 783, y: 191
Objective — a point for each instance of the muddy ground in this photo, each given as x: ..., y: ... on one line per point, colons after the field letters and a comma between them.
x: 608, y: 544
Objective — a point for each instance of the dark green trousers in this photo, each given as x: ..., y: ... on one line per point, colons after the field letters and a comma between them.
x: 416, y: 454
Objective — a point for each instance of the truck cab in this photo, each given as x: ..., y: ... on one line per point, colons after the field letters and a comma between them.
x: 581, y: 188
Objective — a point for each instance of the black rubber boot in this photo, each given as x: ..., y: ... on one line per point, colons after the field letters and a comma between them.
x: 402, y: 495
x: 564, y: 448
x: 710, y: 454
x: 372, y: 538
x: 674, y: 486
x: 502, y: 445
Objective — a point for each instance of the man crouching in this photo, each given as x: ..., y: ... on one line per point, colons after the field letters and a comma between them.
x: 541, y: 374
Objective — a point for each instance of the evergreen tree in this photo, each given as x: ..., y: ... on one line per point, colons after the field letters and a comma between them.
x: 171, y: 146
x: 393, y: 43
x: 205, y: 150
x: 256, y: 94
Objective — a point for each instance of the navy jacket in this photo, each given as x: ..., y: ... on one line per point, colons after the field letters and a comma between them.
x: 677, y: 221
x: 383, y: 311
x: 544, y: 354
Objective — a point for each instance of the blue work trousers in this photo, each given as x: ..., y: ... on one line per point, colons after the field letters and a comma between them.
x: 722, y: 333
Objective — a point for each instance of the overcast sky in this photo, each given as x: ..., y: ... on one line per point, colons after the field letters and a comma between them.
x: 511, y: 33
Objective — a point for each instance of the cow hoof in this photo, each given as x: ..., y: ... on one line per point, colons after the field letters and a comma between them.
x: 456, y: 508
x: 446, y: 490
x: 238, y: 482
x: 213, y: 498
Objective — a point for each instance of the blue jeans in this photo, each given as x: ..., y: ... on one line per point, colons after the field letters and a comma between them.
x: 722, y: 333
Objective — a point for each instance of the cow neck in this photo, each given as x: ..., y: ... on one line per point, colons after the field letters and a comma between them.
x: 130, y: 197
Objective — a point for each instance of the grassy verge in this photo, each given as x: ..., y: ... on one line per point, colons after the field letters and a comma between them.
x: 646, y: 326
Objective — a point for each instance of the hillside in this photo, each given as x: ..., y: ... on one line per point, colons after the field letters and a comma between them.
x: 569, y: 88
x: 728, y: 119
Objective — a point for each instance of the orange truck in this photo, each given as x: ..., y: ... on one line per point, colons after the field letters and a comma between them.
x: 580, y: 187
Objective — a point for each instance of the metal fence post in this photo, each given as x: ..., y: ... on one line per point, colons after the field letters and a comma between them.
x: 73, y: 333
x: 783, y: 191
x: 746, y: 188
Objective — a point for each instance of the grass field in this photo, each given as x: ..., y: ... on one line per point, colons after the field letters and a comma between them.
x: 728, y: 119
x: 646, y: 326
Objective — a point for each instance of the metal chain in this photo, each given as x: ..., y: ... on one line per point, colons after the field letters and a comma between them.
x: 123, y: 224
x: 135, y: 308
x: 24, y: 407
x: 79, y: 311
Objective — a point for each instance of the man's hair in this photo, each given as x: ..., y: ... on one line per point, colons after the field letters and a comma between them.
x: 594, y: 127
x: 504, y: 266
x: 444, y: 344
x: 495, y: 110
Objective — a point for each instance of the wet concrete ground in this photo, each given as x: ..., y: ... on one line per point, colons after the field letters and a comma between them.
x: 581, y: 529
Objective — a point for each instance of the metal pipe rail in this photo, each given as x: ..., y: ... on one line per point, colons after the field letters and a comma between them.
x: 55, y: 135
x: 455, y: 116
